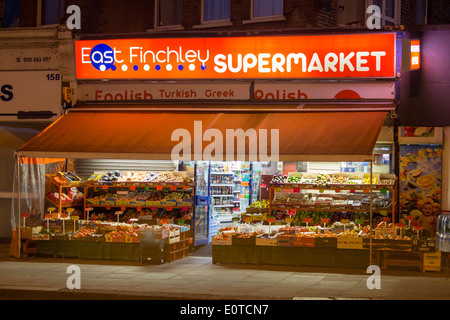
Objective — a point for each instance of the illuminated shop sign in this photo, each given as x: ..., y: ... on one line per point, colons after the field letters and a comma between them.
x: 288, y: 57
x: 415, y: 54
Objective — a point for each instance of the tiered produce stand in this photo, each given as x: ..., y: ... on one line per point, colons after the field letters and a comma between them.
x: 289, y: 230
x: 136, y: 216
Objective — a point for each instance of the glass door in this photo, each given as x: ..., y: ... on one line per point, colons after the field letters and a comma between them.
x: 201, y: 215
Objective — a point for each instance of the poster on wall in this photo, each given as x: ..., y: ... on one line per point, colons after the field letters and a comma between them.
x: 420, y: 184
x: 420, y: 135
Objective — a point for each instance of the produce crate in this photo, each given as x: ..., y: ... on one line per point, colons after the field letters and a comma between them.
x: 377, y: 244
x: 174, y: 239
x: 326, y: 242
x: 156, y: 233
x: 269, y: 242
x: 386, y: 231
x: 402, y: 245
x: 425, y: 245
x: 350, y: 243
x: 40, y: 237
x: 432, y: 261
x: 131, y: 239
x: 247, y: 241
x: 26, y: 233
x: 109, y: 238
x: 221, y: 242
x: 303, y: 242
x: 284, y: 241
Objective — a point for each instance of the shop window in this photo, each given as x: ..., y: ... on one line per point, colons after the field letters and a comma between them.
x: 266, y: 8
x: 214, y: 10
x: 215, y: 13
x: 421, y: 11
x: 9, y: 13
x: 390, y: 11
x: 168, y: 13
x: 265, y: 11
x: 52, y: 11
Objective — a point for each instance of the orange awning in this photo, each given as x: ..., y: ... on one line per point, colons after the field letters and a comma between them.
x: 146, y: 135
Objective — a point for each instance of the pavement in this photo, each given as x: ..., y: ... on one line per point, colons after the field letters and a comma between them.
x: 196, y: 278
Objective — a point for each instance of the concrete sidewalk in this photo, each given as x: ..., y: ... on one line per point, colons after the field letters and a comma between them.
x: 196, y: 278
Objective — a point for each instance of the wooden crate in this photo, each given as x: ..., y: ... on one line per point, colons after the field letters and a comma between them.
x: 303, y: 242
x: 432, y: 261
x: 350, y: 243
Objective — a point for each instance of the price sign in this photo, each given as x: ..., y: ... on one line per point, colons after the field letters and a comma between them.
x: 184, y: 209
x: 75, y: 218
x: 344, y: 221
x: 271, y: 219
x: 248, y: 219
x: 180, y: 222
x: 321, y: 190
x: 159, y: 188
x: 48, y: 216
x: 147, y: 188
x: 296, y: 190
x: 383, y: 213
x: 236, y: 219
x: 409, y: 218
x: 366, y: 190
x: 51, y: 209
x: 70, y: 210
x: 263, y: 185
x: 307, y: 220
x: 417, y: 228
x: 244, y: 183
x: 352, y: 191
x: 337, y: 190
x: 108, y: 207
x: 132, y: 188
x: 104, y: 187
x: 163, y: 221
x: 325, y: 220
x: 139, y: 209
x: 291, y: 212
x: 400, y: 225
x: 383, y: 191
x: 123, y: 208
x: 64, y: 215
x: 386, y: 219
x: 173, y: 188
x: 169, y: 208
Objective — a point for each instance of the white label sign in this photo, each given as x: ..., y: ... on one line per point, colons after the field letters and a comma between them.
x: 29, y: 91
x: 136, y: 92
x: 312, y: 91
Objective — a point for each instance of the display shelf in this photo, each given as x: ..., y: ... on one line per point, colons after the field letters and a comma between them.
x: 339, y: 190
x: 186, y: 187
x: 63, y: 205
x: 328, y: 210
x: 59, y: 203
x: 224, y: 173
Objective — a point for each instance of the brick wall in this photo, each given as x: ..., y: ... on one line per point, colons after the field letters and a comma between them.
x: 439, y: 12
